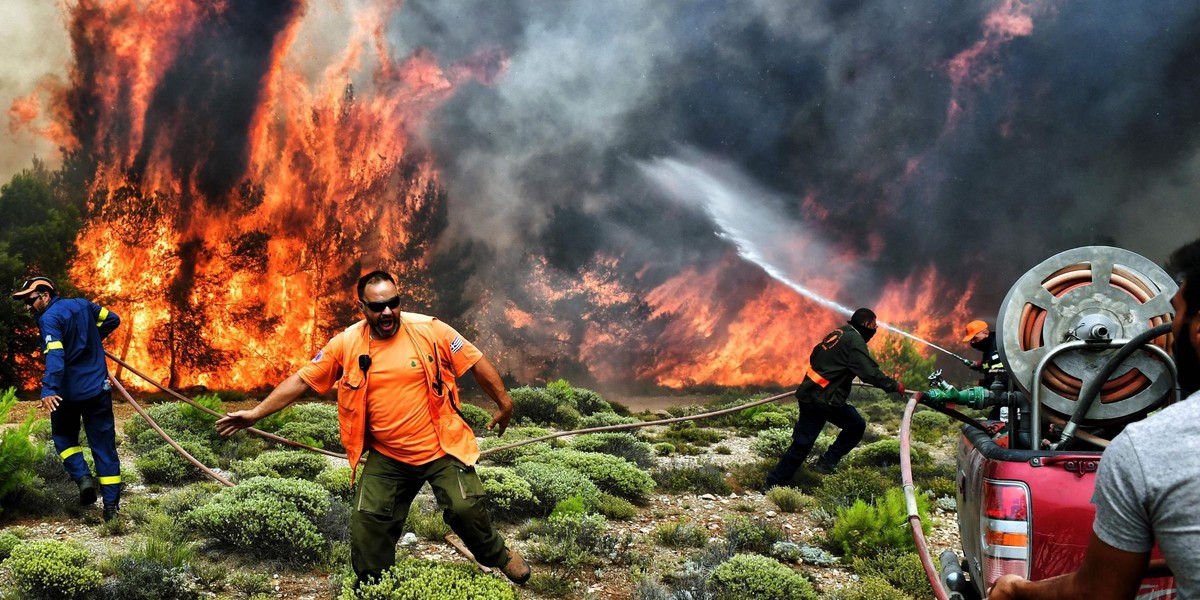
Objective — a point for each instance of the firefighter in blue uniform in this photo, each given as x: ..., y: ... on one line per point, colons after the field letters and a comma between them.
x: 76, y: 389
x: 834, y: 363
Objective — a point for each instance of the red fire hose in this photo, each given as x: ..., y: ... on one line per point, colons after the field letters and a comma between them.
x: 210, y: 411
x: 167, y: 438
x: 910, y: 497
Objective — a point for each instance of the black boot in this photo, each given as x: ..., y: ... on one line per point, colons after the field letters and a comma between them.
x: 87, y: 489
x: 110, y: 511
x: 824, y: 467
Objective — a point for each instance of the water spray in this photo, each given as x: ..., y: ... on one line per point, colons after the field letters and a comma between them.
x: 741, y: 222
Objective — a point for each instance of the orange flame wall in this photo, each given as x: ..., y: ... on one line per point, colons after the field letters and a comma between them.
x: 234, y: 202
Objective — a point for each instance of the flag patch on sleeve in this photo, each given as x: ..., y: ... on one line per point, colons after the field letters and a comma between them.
x: 320, y: 353
x: 456, y: 345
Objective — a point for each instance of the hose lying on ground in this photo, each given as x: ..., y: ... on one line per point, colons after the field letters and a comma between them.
x: 167, y: 438
x: 214, y: 413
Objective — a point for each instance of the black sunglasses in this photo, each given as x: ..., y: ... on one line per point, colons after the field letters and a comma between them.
x: 379, y: 306
x: 34, y: 298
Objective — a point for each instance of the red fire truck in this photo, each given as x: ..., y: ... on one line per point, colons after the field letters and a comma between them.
x: 1083, y: 337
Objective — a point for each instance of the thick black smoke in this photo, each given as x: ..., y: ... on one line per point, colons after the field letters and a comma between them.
x: 1082, y: 130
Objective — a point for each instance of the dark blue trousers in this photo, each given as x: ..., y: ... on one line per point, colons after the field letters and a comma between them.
x: 97, y: 418
x: 812, y: 420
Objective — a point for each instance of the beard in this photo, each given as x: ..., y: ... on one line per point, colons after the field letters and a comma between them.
x: 1186, y: 360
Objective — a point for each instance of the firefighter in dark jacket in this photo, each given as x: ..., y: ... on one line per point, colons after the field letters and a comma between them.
x: 981, y: 338
x: 75, y: 387
x: 834, y: 364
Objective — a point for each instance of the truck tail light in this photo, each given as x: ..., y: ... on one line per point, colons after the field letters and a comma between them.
x: 1005, y: 529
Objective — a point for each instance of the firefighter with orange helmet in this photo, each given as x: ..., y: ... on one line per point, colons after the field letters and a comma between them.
x: 981, y: 338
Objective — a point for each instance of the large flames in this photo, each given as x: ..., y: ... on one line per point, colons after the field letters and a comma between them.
x: 236, y: 193
x: 245, y: 174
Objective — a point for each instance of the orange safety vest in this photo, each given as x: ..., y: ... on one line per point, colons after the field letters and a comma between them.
x: 454, y: 435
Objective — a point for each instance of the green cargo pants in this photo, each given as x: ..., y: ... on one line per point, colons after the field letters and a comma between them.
x: 386, y: 488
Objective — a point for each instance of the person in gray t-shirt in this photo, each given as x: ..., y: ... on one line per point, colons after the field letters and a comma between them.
x: 1148, y: 485
x: 1148, y: 489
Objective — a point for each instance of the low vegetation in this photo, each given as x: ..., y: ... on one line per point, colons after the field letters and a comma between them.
x: 560, y: 501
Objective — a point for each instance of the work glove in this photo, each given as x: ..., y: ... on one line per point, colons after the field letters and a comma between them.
x: 973, y: 364
x: 899, y: 388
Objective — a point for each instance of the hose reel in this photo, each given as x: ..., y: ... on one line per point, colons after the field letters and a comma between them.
x: 1090, y: 294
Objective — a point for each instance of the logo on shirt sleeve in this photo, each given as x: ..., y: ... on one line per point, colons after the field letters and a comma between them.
x: 456, y: 345
x: 320, y: 353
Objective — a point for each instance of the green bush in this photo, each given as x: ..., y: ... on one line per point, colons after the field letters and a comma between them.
x: 818, y: 557
x: 886, y: 453
x: 904, y: 571
x: 772, y: 443
x: 680, y: 534
x: 616, y: 443
x: 426, y: 525
x: 181, y: 421
x: 266, y: 518
x: 552, y: 484
x: 413, y: 579
x: 164, y: 465
x: 196, y: 416
x: 336, y: 481
x: 699, y: 479
x: 752, y: 535
x: 788, y: 499
x: 930, y: 426
x: 136, y: 578
x: 52, y: 570
x: 610, y: 473
x: 253, y: 585
x: 664, y: 449
x: 514, y: 434
x: 507, y: 495
x: 872, y: 587
x: 615, y: 507
x: 585, y: 401
x: 606, y: 419
x: 568, y: 542
x: 845, y: 486
x: 295, y: 464
x: 541, y: 407
x: 866, y: 531
x: 8, y: 541
x: 477, y: 417
x: 761, y: 578
x: 691, y: 433
x: 18, y: 453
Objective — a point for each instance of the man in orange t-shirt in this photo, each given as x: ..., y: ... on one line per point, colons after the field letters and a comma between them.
x: 395, y: 375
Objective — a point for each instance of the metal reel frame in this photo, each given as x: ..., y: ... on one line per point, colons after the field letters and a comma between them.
x: 1092, y: 293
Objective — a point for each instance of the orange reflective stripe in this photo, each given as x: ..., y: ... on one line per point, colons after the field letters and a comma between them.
x: 816, y: 377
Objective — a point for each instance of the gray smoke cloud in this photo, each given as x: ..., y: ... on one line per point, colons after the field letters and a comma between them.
x: 977, y: 138
x: 1083, y: 131
x: 36, y: 47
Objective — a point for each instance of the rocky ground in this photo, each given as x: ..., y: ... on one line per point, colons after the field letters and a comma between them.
x: 613, y: 582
